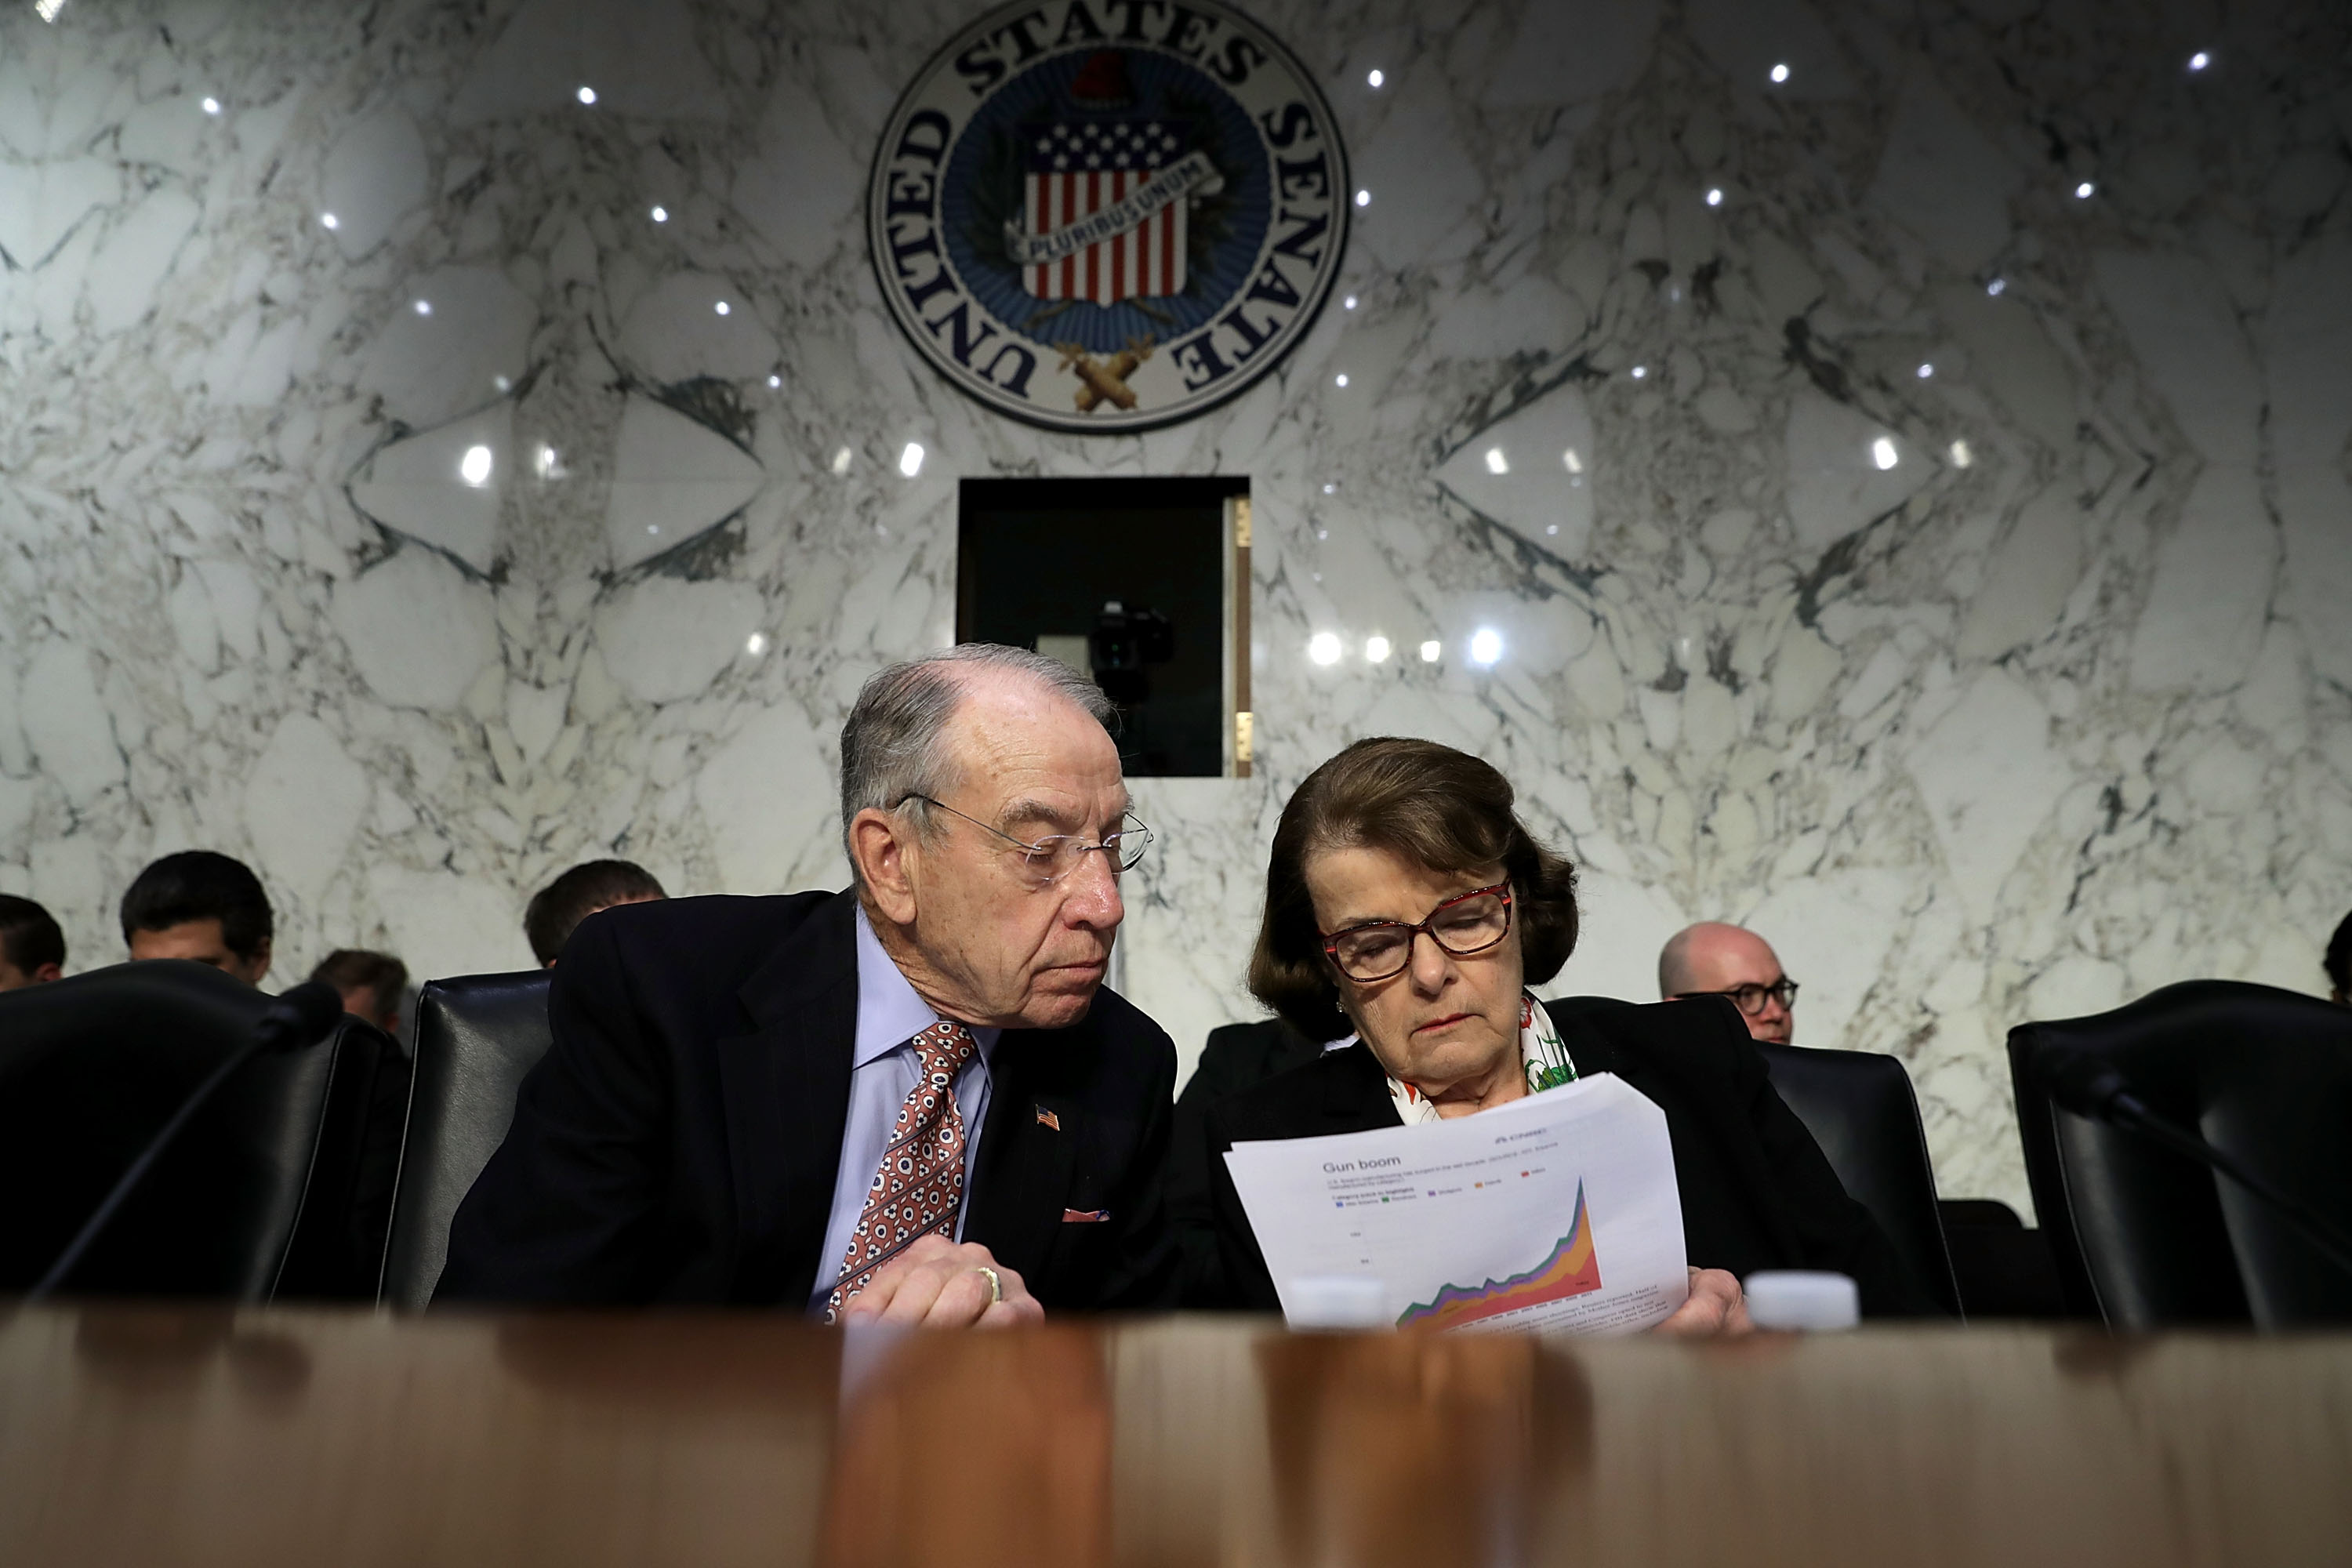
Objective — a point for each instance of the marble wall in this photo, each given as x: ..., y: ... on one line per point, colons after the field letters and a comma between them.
x: 1950, y: 578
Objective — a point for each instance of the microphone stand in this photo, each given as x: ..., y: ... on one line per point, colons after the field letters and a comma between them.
x: 139, y: 1168
x: 2126, y: 1110
x: 295, y: 1020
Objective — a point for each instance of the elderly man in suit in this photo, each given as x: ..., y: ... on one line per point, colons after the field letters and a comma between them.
x: 911, y: 1100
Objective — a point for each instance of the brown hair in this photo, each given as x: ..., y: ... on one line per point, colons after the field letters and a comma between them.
x: 555, y: 910
x: 350, y: 968
x: 1443, y: 808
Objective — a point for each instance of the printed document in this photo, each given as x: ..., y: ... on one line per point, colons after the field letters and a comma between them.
x: 1558, y: 1211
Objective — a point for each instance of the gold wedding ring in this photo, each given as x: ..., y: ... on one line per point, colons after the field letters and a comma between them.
x: 996, y: 1285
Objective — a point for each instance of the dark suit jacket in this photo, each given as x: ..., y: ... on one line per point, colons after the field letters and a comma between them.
x: 1237, y: 1056
x: 678, y: 1141
x: 1755, y: 1191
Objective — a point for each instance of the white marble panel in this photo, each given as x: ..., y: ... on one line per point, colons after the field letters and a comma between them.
x: 375, y: 175
x: 453, y: 338
x: 418, y: 631
x: 1942, y: 178
x: 672, y: 478
x: 444, y: 487
x: 2208, y: 606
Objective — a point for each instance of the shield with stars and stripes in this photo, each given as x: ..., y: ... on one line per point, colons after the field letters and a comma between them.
x: 1113, y: 192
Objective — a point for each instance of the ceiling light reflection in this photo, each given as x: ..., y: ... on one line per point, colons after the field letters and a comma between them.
x: 1781, y: 73
x: 1363, y: 198
x: 1883, y: 453
x: 1715, y: 196
x: 660, y: 215
x: 329, y: 221
x: 1323, y: 647
x: 1485, y: 646
x: 587, y: 95
x: 910, y: 461
x: 474, y: 467
x: 1376, y: 650
x: 1375, y: 78
x: 841, y: 462
x: 1429, y: 650
x: 2084, y: 191
x: 1961, y: 455
x: 212, y: 106
x: 1496, y: 462
x: 2199, y: 60
x: 756, y: 643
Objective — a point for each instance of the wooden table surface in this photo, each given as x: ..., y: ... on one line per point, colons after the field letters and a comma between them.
x: 257, y: 1437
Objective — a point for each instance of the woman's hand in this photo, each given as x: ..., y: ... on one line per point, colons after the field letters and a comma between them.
x: 1717, y: 1307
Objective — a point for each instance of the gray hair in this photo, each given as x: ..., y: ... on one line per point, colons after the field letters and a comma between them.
x: 892, y: 746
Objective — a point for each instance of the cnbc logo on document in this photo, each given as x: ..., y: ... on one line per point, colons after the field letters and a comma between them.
x: 1108, y: 214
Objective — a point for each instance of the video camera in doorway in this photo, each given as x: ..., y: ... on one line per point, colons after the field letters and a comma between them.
x: 1123, y: 646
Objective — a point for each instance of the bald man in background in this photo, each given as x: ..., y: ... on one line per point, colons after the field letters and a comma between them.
x: 1712, y: 959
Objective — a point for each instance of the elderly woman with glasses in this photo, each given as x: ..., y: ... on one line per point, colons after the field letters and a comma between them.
x: 1406, y: 905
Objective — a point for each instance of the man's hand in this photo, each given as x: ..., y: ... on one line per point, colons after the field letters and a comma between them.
x: 937, y: 1283
x: 1717, y: 1307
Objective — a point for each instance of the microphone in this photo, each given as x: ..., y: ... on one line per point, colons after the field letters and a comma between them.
x: 2091, y: 1086
x: 300, y: 1017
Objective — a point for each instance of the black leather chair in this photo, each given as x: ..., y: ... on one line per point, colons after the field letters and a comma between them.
x: 476, y: 1039
x: 2003, y: 1266
x: 1860, y: 1109
x: 263, y: 1195
x: 2146, y: 1238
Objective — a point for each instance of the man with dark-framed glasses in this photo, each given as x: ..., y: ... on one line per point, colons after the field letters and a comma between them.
x: 911, y: 1100
x: 1712, y: 959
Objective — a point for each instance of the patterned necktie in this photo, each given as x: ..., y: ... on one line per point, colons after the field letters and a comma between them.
x: 919, y: 1188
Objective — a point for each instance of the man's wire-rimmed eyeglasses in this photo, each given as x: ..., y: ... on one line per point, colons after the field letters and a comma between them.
x: 1056, y: 855
x: 1750, y: 999
x: 1464, y: 925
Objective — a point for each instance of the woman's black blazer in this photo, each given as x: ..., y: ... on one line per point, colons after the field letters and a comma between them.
x: 1757, y: 1191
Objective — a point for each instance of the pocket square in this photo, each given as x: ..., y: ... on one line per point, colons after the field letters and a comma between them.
x: 1047, y: 1118
x: 1085, y: 1216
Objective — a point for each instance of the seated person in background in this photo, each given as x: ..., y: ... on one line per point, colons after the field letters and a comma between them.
x: 1237, y: 1056
x: 1406, y: 902
x: 1712, y: 959
x: 910, y: 1101
x: 32, y: 948
x: 371, y: 984
x: 2339, y: 963
x: 201, y: 905
x: 552, y: 912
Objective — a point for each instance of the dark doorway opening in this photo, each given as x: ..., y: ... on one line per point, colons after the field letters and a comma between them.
x: 1142, y: 585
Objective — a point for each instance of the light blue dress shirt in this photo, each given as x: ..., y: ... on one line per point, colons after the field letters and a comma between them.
x: 884, y: 1070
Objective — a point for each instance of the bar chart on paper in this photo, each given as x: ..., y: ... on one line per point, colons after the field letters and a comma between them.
x: 1572, y: 1269
x: 1500, y: 1220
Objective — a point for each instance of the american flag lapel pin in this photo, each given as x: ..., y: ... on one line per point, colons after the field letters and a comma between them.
x: 1047, y: 1118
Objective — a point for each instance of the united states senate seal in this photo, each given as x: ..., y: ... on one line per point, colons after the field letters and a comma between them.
x: 1108, y: 215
